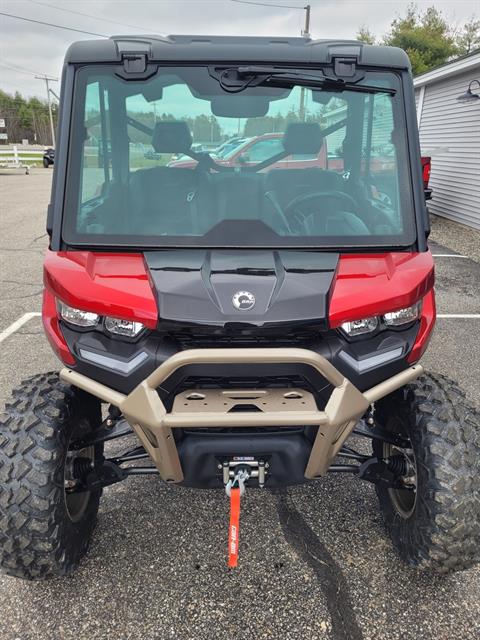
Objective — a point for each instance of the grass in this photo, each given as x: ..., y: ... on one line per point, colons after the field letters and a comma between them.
x: 23, y: 153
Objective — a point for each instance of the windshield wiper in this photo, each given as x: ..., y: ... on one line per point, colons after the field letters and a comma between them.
x: 254, y: 76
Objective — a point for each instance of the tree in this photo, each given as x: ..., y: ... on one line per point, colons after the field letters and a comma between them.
x: 26, y: 118
x: 365, y: 35
x: 204, y: 128
x: 468, y: 39
x: 426, y: 38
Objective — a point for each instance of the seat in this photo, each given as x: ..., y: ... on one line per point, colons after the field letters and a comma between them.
x: 288, y: 184
x: 282, y: 186
x: 238, y: 196
x: 169, y: 200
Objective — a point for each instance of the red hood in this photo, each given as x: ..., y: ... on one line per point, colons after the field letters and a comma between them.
x: 373, y: 284
x: 105, y: 283
x: 118, y: 285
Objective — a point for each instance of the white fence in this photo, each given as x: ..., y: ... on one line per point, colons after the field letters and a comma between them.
x: 13, y: 159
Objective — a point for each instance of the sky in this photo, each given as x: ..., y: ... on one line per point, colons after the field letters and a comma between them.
x: 27, y: 49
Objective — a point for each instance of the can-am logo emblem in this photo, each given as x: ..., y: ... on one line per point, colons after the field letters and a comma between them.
x: 243, y: 300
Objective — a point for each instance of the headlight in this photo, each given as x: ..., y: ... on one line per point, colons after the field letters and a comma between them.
x: 402, y: 316
x: 357, y: 327
x: 77, y: 316
x: 123, y: 327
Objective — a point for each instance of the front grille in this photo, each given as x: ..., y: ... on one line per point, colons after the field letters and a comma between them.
x: 237, y: 431
x: 189, y: 340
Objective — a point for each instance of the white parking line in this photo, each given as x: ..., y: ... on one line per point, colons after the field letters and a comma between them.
x: 458, y: 315
x: 448, y: 255
x: 15, y: 326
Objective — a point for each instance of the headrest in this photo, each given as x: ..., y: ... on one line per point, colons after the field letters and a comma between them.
x: 171, y: 137
x: 303, y: 138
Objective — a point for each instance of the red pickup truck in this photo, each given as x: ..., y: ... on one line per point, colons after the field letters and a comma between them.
x: 426, y: 168
x: 244, y: 152
x: 251, y: 151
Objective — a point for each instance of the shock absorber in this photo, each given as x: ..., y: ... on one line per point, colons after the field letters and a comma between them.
x: 398, y: 465
x: 81, y: 467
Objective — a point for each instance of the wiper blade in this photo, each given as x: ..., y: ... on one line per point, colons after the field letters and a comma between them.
x: 254, y: 76
x: 329, y: 84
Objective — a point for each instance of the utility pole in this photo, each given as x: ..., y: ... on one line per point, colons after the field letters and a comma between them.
x: 47, y: 80
x: 306, y: 30
x: 305, y: 34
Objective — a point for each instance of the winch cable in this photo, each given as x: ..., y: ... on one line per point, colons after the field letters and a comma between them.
x: 235, y: 488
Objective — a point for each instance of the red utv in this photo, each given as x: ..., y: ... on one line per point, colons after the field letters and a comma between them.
x: 257, y: 323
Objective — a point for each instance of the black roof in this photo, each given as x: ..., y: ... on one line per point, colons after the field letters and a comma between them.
x: 235, y: 49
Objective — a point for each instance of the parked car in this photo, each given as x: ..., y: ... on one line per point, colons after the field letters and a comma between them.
x: 150, y: 154
x: 426, y: 168
x: 226, y: 147
x: 252, y: 151
x: 48, y: 157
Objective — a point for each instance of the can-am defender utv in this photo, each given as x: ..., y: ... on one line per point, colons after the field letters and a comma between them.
x: 242, y: 318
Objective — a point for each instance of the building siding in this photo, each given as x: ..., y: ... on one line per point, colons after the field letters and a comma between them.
x: 450, y: 133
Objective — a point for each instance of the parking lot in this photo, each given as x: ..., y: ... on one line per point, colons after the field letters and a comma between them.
x: 314, y: 561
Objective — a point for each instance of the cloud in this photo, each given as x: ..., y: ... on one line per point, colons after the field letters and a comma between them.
x: 40, y: 49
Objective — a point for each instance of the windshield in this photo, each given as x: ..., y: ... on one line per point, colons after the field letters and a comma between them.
x: 178, y: 160
x: 227, y: 148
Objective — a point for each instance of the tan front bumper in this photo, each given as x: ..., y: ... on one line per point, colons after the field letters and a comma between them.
x: 147, y: 415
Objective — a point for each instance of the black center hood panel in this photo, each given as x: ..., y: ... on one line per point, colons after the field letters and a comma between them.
x: 197, y: 286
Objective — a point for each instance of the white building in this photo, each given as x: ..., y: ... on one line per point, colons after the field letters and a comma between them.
x: 450, y: 133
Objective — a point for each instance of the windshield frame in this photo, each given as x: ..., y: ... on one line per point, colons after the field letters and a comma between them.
x: 143, y: 242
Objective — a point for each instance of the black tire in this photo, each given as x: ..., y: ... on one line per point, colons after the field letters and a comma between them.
x: 44, y: 531
x: 46, y: 163
x: 440, y: 528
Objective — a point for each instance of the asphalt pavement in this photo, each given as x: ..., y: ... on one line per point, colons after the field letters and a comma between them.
x: 315, y: 561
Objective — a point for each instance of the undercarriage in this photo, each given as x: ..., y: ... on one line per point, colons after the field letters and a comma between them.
x: 280, y: 434
x: 90, y: 475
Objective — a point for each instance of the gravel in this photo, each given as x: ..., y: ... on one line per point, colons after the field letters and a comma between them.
x: 462, y: 239
x: 314, y: 560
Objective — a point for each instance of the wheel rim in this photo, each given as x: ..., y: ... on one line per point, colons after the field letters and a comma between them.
x: 404, y: 500
x: 76, y: 502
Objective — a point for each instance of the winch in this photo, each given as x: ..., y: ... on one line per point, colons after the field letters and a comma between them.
x: 255, y: 469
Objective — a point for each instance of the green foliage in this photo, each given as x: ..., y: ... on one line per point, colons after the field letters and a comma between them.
x: 365, y: 35
x: 269, y: 124
x: 279, y: 122
x: 26, y: 118
x: 427, y: 37
x: 205, y: 129
x: 468, y: 39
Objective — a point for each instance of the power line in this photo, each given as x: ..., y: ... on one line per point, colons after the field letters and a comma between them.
x: 266, y: 4
x: 17, y: 68
x: 87, y: 15
x: 55, y: 26
x: 307, y: 8
x: 6, y: 66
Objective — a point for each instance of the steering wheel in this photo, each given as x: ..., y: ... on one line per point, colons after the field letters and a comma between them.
x: 293, y: 208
